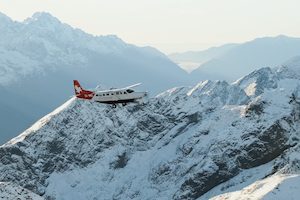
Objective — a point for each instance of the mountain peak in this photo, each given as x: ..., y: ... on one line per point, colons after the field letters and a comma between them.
x: 42, y: 17
x: 272, y: 39
x: 282, y: 36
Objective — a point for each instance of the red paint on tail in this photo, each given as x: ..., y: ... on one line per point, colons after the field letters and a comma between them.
x: 81, y: 93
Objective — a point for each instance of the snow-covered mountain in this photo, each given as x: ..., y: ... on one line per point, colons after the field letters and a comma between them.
x: 40, y: 57
x: 232, y: 61
x: 186, y: 143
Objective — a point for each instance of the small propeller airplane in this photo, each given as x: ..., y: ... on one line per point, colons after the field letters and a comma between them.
x: 113, y: 96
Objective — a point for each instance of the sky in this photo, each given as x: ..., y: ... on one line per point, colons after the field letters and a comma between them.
x: 170, y: 25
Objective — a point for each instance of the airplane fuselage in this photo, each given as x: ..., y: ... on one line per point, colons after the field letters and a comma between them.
x: 118, y: 96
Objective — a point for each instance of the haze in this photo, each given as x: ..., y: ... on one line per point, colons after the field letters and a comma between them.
x: 169, y: 25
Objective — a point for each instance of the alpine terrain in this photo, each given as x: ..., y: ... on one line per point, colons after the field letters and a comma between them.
x: 40, y: 57
x: 214, y: 140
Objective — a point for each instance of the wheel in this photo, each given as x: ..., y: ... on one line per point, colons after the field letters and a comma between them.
x: 124, y: 104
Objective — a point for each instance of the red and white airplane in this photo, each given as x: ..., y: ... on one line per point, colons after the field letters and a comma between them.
x: 113, y: 96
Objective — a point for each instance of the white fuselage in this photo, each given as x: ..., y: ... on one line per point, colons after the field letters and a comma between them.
x: 118, y: 96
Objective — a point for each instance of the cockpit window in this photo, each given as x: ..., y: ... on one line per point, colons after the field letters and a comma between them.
x: 130, y: 91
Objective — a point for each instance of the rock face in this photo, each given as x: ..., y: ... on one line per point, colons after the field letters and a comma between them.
x: 186, y: 143
x: 10, y: 191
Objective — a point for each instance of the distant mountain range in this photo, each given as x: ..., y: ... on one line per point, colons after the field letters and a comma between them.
x: 40, y: 57
x: 191, y: 60
x: 231, y: 61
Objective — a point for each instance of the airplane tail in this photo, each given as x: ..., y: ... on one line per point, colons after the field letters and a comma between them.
x: 81, y: 93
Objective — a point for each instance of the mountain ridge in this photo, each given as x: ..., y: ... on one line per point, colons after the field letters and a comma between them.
x: 236, y: 60
x: 196, y: 139
x: 41, y: 56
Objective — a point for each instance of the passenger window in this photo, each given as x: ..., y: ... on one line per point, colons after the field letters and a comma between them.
x: 117, y: 92
x: 107, y: 94
x: 129, y: 91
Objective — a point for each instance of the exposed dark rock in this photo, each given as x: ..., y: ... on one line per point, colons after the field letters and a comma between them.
x: 256, y: 108
x: 161, y: 173
x: 55, y: 146
x: 121, y: 161
x: 203, y: 181
x: 269, y: 144
x: 193, y: 118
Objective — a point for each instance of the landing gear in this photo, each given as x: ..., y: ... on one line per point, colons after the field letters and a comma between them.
x: 115, y: 105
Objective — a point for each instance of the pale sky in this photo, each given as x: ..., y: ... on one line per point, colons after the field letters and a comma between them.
x: 170, y: 25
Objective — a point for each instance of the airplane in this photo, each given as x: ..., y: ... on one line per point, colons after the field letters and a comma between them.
x: 113, y: 96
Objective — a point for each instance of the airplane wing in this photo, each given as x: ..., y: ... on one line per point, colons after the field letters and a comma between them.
x: 131, y: 86
x: 125, y: 88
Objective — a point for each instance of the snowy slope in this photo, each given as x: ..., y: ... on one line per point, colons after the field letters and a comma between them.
x: 186, y: 143
x: 40, y: 57
x: 274, y: 187
x: 9, y: 191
